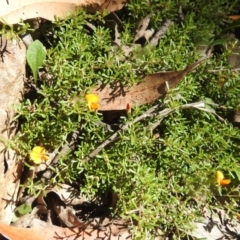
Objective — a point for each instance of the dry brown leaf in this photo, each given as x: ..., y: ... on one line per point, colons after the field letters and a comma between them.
x: 108, y: 5
x: 141, y: 27
x: 67, y: 216
x: 149, y: 90
x: 148, y: 34
x: 69, y: 195
x: 66, y: 193
x: 234, y: 17
x: 64, y: 213
x: 14, y: 10
x: 161, y: 32
x: 12, y: 71
x: 53, y: 232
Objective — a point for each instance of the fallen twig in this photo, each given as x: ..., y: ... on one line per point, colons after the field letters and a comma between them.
x: 224, y: 69
x: 202, y: 105
x: 114, y: 137
x: 58, y: 153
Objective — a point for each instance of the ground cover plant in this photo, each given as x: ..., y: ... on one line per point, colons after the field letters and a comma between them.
x: 162, y: 169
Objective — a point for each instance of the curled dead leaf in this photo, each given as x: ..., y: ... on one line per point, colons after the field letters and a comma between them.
x: 66, y: 193
x: 108, y: 5
x: 54, y: 232
x: 15, y: 10
x: 141, y: 27
x: 234, y: 17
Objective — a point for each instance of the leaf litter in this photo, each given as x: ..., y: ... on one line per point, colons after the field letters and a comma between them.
x: 153, y: 87
x: 16, y: 10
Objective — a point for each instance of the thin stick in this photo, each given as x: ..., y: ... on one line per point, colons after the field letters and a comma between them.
x: 60, y: 152
x: 197, y: 105
x: 150, y: 113
x: 114, y: 137
x: 224, y: 69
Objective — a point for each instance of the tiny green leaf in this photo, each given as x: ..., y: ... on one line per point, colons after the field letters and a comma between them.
x: 15, y: 217
x: 24, y: 209
x: 36, y: 54
x: 208, y: 101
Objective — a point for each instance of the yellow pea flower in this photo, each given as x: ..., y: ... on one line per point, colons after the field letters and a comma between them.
x: 220, y: 179
x: 92, y: 100
x: 38, y: 154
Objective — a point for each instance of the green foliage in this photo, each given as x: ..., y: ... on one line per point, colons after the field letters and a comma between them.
x: 156, y: 172
x: 36, y: 54
x: 13, y: 31
x: 24, y: 209
x: 21, y: 210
